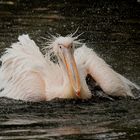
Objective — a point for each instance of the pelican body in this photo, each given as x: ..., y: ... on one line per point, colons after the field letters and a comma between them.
x: 27, y: 74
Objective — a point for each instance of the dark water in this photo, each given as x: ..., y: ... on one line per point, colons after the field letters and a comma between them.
x: 113, y: 30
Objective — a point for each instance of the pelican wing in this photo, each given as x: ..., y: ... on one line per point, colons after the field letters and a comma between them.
x: 23, y: 71
x: 110, y: 81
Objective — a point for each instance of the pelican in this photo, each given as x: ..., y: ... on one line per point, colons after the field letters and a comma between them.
x: 27, y: 74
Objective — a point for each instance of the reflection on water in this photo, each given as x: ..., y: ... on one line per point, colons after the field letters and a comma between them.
x: 112, y: 29
x: 72, y: 119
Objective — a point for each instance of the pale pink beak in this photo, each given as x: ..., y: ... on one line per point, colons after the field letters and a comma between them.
x: 72, y: 70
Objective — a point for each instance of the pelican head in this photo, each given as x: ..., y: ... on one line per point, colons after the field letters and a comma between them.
x: 63, y: 47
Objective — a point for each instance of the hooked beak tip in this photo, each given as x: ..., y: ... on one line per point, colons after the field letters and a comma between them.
x: 78, y: 93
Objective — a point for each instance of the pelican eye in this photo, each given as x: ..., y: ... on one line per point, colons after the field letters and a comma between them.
x: 71, y: 46
x: 60, y: 46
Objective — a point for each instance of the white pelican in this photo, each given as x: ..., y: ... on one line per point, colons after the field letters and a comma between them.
x: 27, y: 74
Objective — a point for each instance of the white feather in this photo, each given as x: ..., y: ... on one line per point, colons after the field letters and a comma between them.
x: 27, y: 75
x: 24, y: 71
x: 110, y: 81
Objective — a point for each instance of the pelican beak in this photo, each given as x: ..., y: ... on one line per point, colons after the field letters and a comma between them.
x: 72, y: 70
